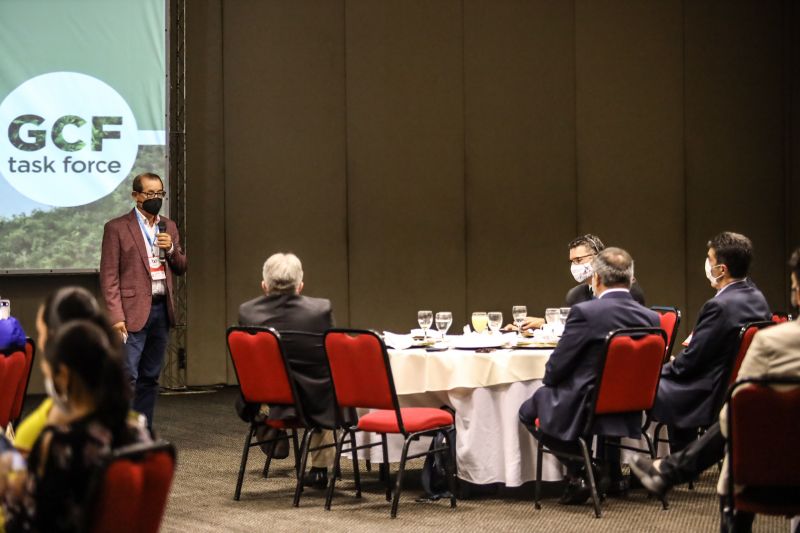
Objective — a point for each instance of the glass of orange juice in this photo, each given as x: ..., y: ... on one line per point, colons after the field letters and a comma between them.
x: 479, y: 321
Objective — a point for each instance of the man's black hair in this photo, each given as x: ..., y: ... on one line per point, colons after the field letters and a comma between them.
x: 733, y: 250
x: 592, y: 242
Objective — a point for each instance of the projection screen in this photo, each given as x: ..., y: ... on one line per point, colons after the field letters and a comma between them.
x: 82, y: 111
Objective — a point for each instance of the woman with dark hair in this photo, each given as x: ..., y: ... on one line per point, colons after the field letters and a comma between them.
x: 63, y: 305
x: 85, y: 379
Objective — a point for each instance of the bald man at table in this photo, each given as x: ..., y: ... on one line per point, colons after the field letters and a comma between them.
x: 571, y: 372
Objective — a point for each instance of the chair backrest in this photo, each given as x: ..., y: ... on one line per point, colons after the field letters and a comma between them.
x: 12, y: 376
x: 130, y: 492
x: 22, y: 389
x: 360, y: 370
x: 746, y: 335
x: 763, y: 434
x: 260, y: 365
x: 670, y: 321
x: 629, y: 370
x: 780, y: 317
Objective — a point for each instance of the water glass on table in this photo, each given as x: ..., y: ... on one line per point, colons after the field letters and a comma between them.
x: 444, y: 319
x: 564, y: 314
x: 520, y: 313
x: 495, y: 321
x: 479, y: 321
x: 425, y: 320
x: 552, y: 315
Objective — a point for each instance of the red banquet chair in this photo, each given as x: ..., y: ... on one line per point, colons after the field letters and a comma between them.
x: 261, y: 371
x: 12, y: 379
x: 762, y: 441
x: 628, y: 373
x: 130, y: 492
x: 22, y: 390
x: 362, y: 378
x: 746, y: 335
x: 670, y: 321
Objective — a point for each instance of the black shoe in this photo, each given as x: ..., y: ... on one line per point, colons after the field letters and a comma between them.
x: 651, y: 479
x: 617, y: 487
x: 317, y: 478
x: 576, y: 493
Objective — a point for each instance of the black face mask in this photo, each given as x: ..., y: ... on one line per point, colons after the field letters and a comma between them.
x: 152, y: 206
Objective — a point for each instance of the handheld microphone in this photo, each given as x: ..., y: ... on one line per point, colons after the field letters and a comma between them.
x: 162, y: 254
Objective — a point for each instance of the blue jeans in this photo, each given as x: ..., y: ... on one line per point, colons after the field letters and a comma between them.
x: 144, y: 354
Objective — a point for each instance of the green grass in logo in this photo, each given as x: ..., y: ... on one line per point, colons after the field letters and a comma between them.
x: 70, y: 237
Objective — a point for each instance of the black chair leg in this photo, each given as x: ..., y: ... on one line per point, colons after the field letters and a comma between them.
x: 296, y: 452
x: 369, y: 465
x: 384, y: 468
x: 587, y: 461
x: 265, y: 472
x: 237, y: 493
x: 399, y: 484
x: 650, y: 447
x: 337, y: 459
x: 356, y: 473
x: 298, y: 489
x: 537, y: 492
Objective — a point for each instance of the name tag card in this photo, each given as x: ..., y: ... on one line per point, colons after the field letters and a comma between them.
x: 157, y: 270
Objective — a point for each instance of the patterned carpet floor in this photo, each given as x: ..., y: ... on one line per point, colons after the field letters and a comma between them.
x: 209, y: 437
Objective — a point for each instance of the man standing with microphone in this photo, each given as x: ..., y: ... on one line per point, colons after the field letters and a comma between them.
x: 140, y: 252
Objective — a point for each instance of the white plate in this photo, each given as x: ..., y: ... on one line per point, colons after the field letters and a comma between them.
x: 473, y: 342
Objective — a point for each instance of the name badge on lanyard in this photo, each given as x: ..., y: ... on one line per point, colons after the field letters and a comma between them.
x: 157, y: 269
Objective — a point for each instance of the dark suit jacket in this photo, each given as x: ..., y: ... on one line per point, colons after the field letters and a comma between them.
x: 582, y: 293
x: 692, y: 385
x: 571, y: 371
x: 301, y: 321
x: 125, y: 273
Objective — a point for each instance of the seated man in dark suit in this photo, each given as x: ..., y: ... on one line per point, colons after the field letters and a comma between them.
x: 301, y: 321
x: 582, y: 251
x: 775, y: 351
x: 571, y: 371
x: 693, y: 384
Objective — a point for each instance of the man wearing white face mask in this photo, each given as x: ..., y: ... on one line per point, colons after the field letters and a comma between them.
x: 693, y: 384
x: 582, y: 250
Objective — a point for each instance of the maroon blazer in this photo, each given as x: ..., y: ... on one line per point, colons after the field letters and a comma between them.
x: 125, y: 273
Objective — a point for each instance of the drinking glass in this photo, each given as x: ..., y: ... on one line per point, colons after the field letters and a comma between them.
x: 520, y: 313
x: 425, y: 319
x: 443, y: 321
x: 552, y: 315
x: 479, y: 321
x: 495, y: 321
x: 564, y: 313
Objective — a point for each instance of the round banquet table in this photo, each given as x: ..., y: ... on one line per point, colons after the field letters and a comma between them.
x: 485, y: 390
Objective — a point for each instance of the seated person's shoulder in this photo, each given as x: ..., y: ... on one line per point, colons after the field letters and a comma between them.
x: 578, y: 294
x: 780, y: 335
x: 320, y: 304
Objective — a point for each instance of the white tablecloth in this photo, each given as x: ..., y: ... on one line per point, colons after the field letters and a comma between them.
x: 417, y: 371
x: 486, y: 391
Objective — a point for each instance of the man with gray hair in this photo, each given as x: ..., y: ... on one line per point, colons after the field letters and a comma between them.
x: 301, y: 321
x: 571, y: 370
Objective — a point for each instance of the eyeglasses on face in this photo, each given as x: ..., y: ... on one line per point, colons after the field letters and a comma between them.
x: 151, y: 195
x: 579, y: 259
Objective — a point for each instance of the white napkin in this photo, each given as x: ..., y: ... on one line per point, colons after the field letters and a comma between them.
x: 432, y: 334
x: 398, y: 342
